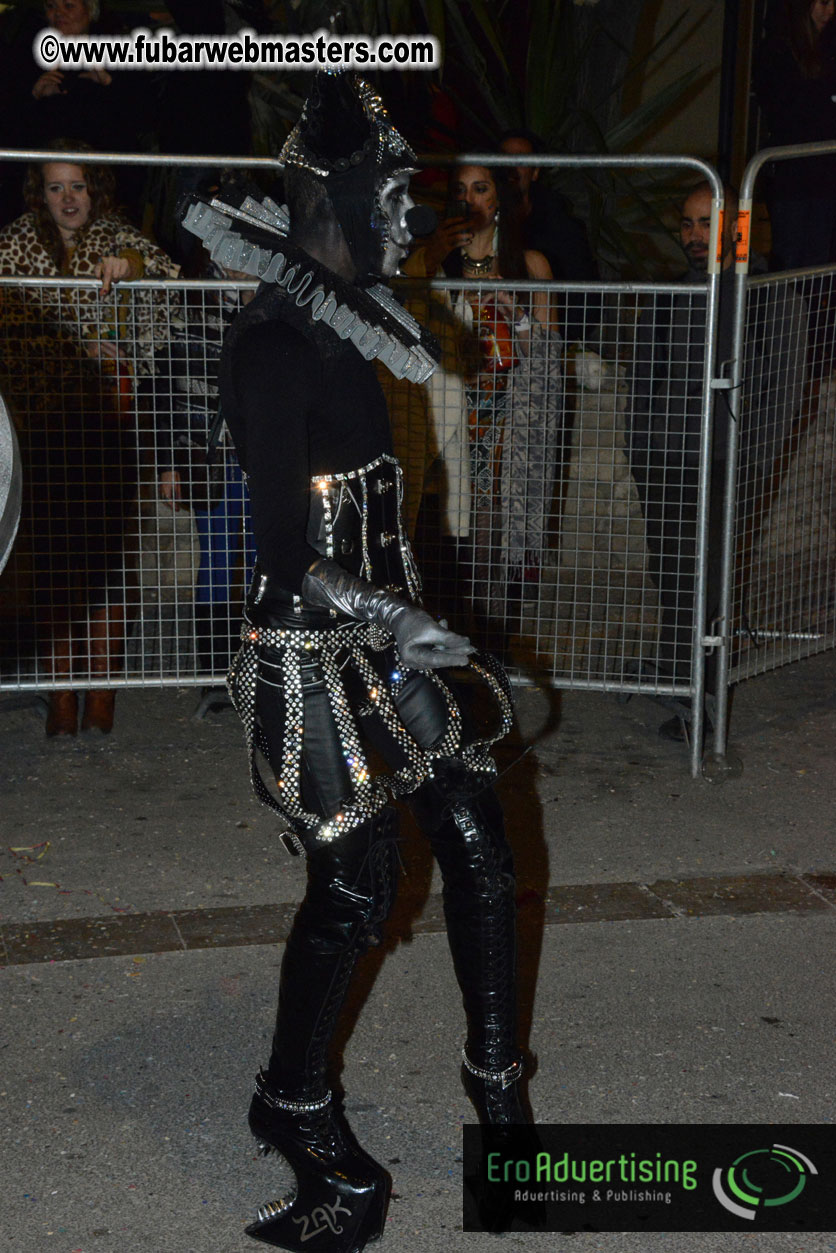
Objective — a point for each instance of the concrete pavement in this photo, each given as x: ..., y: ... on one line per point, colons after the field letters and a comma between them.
x: 677, y: 952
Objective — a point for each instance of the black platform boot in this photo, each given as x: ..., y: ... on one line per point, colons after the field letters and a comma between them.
x: 342, y: 1192
x: 468, y: 840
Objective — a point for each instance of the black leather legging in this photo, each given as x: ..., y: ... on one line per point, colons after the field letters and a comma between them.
x: 351, y: 888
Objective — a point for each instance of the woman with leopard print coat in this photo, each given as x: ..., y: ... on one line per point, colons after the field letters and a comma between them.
x: 70, y: 359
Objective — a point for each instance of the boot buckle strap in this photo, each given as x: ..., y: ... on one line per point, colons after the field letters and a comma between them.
x: 504, y: 1077
x: 284, y: 1103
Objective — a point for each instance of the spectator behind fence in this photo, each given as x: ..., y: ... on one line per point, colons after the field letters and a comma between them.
x: 105, y: 108
x: 184, y: 396
x: 514, y: 387
x: 72, y: 102
x: 796, y: 88
x: 547, y: 225
x: 199, y: 112
x: 665, y: 422
x: 70, y: 361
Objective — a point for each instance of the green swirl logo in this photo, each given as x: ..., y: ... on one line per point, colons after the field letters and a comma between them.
x: 762, y: 1178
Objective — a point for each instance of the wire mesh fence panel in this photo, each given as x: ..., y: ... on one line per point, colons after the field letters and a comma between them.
x: 132, y: 552
x: 493, y: 421
x: 551, y: 494
x: 607, y: 603
x: 557, y: 520
x: 785, y: 558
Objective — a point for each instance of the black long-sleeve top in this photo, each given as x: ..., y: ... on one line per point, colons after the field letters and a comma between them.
x: 298, y: 402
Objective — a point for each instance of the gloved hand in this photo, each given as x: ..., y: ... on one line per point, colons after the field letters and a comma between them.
x: 423, y: 643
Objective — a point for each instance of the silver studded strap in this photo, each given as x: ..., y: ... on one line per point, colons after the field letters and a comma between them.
x: 503, y: 1077
x: 285, y: 1103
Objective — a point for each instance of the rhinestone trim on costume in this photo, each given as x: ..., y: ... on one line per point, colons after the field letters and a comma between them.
x: 506, y: 1077
x: 389, y: 139
x: 364, y: 523
x: 386, y: 139
x: 323, y: 484
x: 350, y: 643
x: 292, y: 1107
x: 295, y: 1107
x: 353, y: 644
x: 358, y: 769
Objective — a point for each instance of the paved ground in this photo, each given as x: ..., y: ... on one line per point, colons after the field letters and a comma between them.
x: 677, y: 942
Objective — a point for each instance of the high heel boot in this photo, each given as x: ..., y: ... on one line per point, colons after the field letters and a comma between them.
x: 468, y: 840
x: 497, y: 1098
x: 106, y: 639
x: 341, y: 1193
x: 62, y: 714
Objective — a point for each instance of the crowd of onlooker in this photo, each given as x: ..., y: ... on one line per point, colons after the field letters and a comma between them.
x: 115, y: 396
x: 165, y: 111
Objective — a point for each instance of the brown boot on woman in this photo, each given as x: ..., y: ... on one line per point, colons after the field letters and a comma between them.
x: 62, y: 717
x: 107, y: 637
x: 98, y: 711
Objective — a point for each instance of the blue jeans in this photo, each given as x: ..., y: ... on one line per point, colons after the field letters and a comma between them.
x: 225, y: 532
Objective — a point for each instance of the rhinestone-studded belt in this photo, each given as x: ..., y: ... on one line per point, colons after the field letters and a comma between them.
x: 354, y: 644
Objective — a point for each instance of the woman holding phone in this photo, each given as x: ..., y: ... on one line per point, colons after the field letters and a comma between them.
x: 514, y: 386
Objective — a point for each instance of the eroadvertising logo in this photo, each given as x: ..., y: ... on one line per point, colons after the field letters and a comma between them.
x: 768, y: 1177
x: 650, y: 1178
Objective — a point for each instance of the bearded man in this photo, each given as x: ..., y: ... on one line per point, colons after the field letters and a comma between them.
x: 664, y: 435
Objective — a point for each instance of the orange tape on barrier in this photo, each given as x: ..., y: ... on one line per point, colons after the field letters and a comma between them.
x: 744, y: 223
x: 719, y: 257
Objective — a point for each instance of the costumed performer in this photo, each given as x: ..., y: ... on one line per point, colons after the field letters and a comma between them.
x: 338, y: 655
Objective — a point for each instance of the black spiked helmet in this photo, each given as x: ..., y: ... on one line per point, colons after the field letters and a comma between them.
x: 346, y: 138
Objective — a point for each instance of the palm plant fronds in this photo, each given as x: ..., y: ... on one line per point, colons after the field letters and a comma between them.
x: 554, y: 67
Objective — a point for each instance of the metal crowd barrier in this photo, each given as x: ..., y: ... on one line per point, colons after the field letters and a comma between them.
x: 590, y: 565
x: 779, y: 536
x: 538, y: 517
x: 558, y: 571
x: 133, y: 552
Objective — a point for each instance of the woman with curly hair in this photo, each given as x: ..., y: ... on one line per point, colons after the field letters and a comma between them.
x: 70, y: 360
x: 513, y: 393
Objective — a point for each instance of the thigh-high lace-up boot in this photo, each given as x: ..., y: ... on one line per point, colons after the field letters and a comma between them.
x: 341, y: 1192
x: 468, y: 840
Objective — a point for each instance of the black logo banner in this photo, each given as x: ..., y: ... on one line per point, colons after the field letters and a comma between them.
x: 648, y: 1177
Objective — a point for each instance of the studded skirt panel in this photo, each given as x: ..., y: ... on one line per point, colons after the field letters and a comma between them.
x: 413, y: 718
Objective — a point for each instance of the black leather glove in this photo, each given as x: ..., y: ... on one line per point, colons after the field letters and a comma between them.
x: 423, y: 643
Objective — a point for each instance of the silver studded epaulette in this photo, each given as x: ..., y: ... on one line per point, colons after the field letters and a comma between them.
x: 399, y: 346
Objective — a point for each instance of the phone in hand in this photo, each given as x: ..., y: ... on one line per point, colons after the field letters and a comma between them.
x: 457, y: 209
